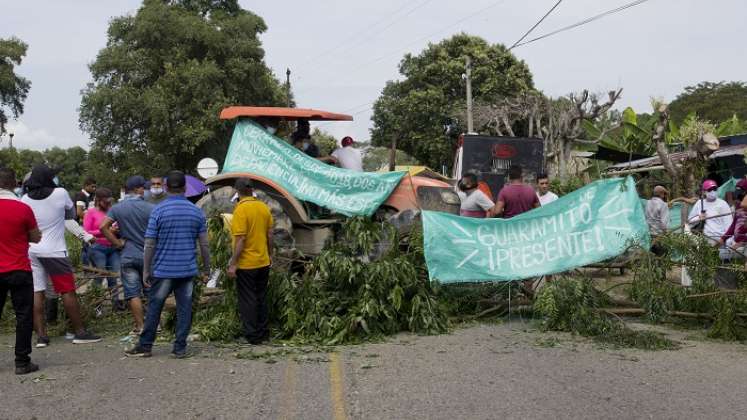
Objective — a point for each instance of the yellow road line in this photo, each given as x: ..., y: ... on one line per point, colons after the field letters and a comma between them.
x: 288, y: 394
x: 336, y: 387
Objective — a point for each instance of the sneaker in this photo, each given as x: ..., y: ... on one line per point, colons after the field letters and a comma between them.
x: 27, y: 368
x: 186, y: 354
x: 85, y: 338
x: 137, y: 351
x: 69, y: 336
x: 42, y: 342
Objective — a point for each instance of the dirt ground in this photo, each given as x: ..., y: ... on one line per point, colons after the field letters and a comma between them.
x: 483, y: 371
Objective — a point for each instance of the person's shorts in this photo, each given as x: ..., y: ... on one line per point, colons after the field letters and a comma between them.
x: 57, y: 269
x: 132, y: 280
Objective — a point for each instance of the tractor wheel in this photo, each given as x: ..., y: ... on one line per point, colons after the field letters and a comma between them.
x: 219, y: 200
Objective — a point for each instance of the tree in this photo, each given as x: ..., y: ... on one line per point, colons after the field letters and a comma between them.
x: 375, y: 158
x: 324, y: 141
x: 710, y: 101
x: 413, y: 111
x: 162, y: 79
x: 562, y: 123
x: 13, y: 88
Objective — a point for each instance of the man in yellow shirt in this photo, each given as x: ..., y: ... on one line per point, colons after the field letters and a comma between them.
x: 251, y: 228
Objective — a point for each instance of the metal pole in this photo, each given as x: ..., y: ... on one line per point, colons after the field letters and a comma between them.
x: 288, y: 86
x: 468, y: 73
x: 393, y: 154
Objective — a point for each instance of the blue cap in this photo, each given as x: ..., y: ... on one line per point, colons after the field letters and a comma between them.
x: 134, y: 182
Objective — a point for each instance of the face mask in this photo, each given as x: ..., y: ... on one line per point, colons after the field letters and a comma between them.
x: 18, y: 191
x: 271, y: 130
x: 711, y: 195
x: 56, y: 181
x: 156, y: 190
x: 305, y: 145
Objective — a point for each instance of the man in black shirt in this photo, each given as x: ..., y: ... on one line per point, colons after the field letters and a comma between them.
x: 84, y: 198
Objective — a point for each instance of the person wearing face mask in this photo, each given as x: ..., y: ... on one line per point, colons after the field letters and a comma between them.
x: 474, y: 202
x: 714, y: 212
x: 102, y: 254
x: 157, y: 193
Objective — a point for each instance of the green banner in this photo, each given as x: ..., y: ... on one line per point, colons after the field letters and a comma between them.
x: 348, y: 192
x: 589, y: 225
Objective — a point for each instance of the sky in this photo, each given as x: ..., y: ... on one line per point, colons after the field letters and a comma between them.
x: 341, y: 53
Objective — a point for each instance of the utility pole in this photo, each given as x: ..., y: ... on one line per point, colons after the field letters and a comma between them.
x: 468, y: 77
x: 393, y: 154
x: 288, y: 86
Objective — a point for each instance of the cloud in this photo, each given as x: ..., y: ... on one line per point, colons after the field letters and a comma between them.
x: 26, y: 137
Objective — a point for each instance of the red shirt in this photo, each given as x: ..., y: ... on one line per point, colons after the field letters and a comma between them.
x: 517, y: 199
x: 16, y: 222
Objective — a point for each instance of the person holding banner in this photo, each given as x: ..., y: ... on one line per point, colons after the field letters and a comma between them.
x: 474, y: 202
x: 514, y: 198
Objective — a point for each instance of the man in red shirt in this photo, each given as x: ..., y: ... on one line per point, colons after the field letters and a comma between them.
x: 514, y: 198
x: 17, y: 228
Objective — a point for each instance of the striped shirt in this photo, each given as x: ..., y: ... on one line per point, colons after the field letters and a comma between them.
x: 175, y: 224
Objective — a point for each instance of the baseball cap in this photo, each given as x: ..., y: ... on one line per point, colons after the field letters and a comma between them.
x: 708, y: 184
x: 176, y: 180
x: 347, y: 141
x: 135, y: 181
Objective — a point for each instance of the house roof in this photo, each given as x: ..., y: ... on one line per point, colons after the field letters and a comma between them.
x: 654, y: 162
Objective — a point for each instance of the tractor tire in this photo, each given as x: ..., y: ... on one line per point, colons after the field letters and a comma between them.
x: 219, y: 201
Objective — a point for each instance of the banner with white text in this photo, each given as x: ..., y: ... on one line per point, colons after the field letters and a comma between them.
x: 348, y: 192
x: 592, y: 224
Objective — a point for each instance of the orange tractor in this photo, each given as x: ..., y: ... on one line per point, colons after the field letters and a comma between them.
x: 300, y: 224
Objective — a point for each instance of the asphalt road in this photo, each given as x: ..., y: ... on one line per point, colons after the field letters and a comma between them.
x: 486, y: 371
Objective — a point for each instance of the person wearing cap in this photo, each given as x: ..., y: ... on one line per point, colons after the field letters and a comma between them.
x: 131, y: 216
x: 251, y: 228
x: 170, y: 263
x: 347, y: 156
x: 714, y: 212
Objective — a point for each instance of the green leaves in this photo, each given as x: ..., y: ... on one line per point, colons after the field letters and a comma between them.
x: 414, y: 110
x: 13, y: 88
x: 159, y: 84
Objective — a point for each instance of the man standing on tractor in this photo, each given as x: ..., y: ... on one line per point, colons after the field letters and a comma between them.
x: 347, y: 156
x: 251, y: 228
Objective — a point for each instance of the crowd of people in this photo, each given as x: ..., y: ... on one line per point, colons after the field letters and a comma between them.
x: 514, y: 198
x: 149, y: 242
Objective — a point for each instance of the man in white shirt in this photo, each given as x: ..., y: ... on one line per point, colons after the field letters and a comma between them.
x: 543, y: 190
x: 474, y: 202
x: 714, y: 211
x: 54, y: 210
x: 347, y: 156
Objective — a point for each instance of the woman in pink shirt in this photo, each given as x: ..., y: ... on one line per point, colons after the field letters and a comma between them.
x: 102, y: 254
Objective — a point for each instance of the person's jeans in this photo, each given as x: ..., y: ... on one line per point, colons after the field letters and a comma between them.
x: 159, y: 291
x: 105, y: 258
x: 20, y: 284
x: 251, y: 286
x: 132, y: 280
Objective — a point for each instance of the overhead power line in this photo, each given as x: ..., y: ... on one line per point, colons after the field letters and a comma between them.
x: 536, y: 24
x: 583, y: 22
x: 365, y: 30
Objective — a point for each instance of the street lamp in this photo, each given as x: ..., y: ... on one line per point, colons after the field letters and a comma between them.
x: 11, y: 134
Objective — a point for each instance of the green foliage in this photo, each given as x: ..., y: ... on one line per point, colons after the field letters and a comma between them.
x: 324, y: 141
x: 163, y: 77
x: 712, y: 102
x: 572, y: 305
x: 378, y: 157
x: 73, y: 163
x: 13, y: 88
x: 660, y: 296
x: 346, y: 297
x: 219, y: 322
x: 414, y: 110
x: 563, y: 187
